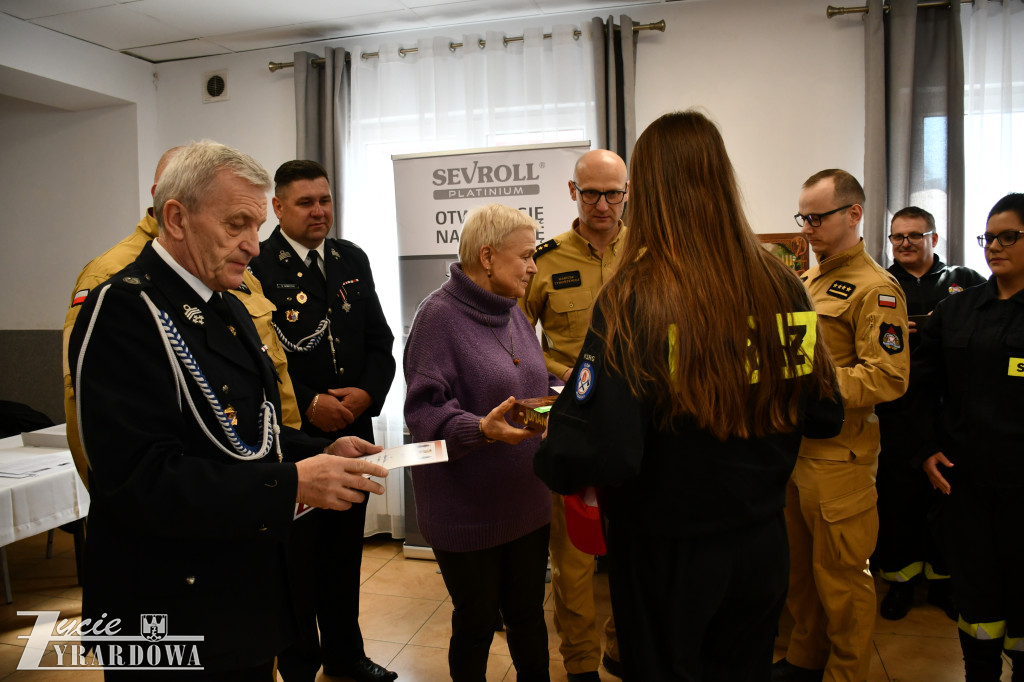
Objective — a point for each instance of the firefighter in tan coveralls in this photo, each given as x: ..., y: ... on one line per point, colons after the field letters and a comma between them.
x: 831, y: 512
x: 570, y: 271
x: 105, y: 266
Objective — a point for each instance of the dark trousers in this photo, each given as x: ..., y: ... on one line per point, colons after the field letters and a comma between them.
x: 325, y: 552
x: 907, y: 520
x: 986, y: 555
x: 698, y: 609
x: 509, y: 577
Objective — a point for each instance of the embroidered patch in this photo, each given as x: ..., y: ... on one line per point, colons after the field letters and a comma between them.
x: 1016, y: 367
x: 585, y: 380
x: 955, y: 289
x: 890, y: 338
x: 885, y: 301
x: 80, y: 297
x: 564, y: 280
x: 841, y: 289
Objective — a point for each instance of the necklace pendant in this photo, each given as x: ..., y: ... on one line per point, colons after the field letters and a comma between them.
x: 515, y: 361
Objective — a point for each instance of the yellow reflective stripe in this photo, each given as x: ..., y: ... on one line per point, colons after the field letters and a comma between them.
x: 931, y: 574
x: 1013, y: 643
x: 904, y: 574
x: 673, y: 340
x: 983, y: 631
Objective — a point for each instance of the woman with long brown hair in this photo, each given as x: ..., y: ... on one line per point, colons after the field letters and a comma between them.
x: 702, y: 370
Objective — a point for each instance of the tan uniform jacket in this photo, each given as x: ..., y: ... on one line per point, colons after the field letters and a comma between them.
x: 863, y: 314
x: 562, y: 293
x: 105, y: 266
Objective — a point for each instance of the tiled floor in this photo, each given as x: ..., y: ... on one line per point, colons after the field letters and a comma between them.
x: 406, y: 613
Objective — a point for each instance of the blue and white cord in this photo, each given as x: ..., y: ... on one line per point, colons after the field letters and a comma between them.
x: 305, y: 344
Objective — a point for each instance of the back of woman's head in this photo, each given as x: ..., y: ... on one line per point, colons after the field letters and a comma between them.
x: 695, y: 317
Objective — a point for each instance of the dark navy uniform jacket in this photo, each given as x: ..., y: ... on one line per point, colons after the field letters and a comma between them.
x: 177, y: 527
x: 362, y: 339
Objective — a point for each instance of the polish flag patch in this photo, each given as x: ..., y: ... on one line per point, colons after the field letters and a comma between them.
x: 885, y: 301
x: 80, y: 297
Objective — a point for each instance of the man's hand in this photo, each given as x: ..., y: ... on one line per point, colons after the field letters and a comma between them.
x: 331, y: 482
x: 931, y: 467
x: 355, y: 400
x: 495, y: 427
x: 327, y: 413
x: 911, y: 327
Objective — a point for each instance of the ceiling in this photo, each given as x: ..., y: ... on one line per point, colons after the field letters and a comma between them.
x: 169, y: 30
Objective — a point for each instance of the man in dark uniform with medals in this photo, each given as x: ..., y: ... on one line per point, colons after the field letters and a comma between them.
x: 339, y: 356
x: 192, y: 499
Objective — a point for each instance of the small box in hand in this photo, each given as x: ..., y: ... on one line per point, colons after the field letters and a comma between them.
x: 533, y: 412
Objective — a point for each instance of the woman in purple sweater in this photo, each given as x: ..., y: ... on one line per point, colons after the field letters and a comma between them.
x: 485, y: 513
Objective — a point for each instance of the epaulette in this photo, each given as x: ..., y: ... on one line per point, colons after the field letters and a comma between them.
x: 549, y: 245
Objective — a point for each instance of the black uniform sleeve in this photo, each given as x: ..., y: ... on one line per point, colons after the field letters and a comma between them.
x: 379, y: 368
x: 596, y: 429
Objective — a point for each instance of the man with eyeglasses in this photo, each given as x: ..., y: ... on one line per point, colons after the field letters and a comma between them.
x: 831, y: 514
x: 906, y: 541
x: 570, y: 271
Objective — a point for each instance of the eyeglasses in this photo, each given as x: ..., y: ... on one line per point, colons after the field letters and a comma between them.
x: 913, y: 237
x: 814, y: 219
x: 592, y: 196
x: 1006, y: 238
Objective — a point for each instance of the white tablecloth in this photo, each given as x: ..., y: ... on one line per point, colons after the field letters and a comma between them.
x: 35, y: 504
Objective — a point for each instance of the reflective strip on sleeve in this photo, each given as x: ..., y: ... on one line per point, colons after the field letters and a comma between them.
x: 1013, y: 643
x: 931, y: 574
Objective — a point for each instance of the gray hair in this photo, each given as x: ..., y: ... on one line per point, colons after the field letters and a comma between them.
x: 489, y: 225
x: 188, y: 177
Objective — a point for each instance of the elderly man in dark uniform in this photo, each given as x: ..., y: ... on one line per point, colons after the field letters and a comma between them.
x: 192, y: 497
x: 339, y: 356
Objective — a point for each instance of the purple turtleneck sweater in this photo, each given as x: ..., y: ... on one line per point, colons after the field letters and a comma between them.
x: 458, y: 367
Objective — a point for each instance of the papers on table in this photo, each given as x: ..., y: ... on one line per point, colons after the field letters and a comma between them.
x: 33, y: 465
x: 413, y: 454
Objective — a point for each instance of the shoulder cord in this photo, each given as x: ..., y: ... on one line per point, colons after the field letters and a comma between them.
x: 306, y: 344
x: 175, y: 346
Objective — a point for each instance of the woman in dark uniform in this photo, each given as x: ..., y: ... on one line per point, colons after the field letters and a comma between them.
x: 703, y: 368
x: 972, y: 365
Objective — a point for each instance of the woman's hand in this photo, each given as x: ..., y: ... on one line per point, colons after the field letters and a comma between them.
x: 495, y: 427
x: 931, y: 467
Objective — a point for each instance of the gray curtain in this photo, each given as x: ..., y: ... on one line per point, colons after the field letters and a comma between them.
x: 914, y: 137
x: 615, y: 75
x: 321, y: 116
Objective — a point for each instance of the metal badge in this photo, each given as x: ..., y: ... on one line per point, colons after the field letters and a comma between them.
x: 194, y: 315
x: 132, y: 280
x: 231, y: 414
x: 302, y: 298
x: 346, y: 306
x: 334, y: 252
x: 283, y: 255
x: 291, y: 315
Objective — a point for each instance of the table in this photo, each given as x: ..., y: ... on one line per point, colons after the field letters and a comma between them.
x: 41, y: 502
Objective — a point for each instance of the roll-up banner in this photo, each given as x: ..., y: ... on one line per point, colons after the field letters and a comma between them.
x: 434, y: 192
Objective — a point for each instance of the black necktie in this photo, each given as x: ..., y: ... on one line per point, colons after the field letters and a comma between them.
x: 314, y: 268
x: 220, y: 306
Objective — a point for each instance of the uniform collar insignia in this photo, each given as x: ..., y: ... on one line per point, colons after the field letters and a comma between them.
x: 334, y: 252
x: 283, y: 255
x: 841, y: 289
x: 194, y: 315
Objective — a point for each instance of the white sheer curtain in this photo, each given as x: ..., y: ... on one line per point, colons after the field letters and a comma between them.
x: 437, y: 99
x: 993, y: 35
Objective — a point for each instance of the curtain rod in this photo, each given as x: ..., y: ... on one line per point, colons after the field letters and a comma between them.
x: 319, y: 61
x: 836, y: 11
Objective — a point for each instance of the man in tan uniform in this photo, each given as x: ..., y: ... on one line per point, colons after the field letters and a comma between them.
x: 570, y: 271
x: 831, y: 513
x: 105, y: 266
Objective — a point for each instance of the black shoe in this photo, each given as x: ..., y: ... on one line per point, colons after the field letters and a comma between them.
x: 897, y: 601
x: 591, y: 676
x: 784, y: 671
x: 612, y: 666
x: 940, y: 593
x: 364, y: 670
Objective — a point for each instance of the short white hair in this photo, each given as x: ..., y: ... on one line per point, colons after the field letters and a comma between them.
x: 490, y: 225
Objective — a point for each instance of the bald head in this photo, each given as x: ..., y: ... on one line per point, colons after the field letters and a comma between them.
x: 602, y: 171
x: 162, y: 164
